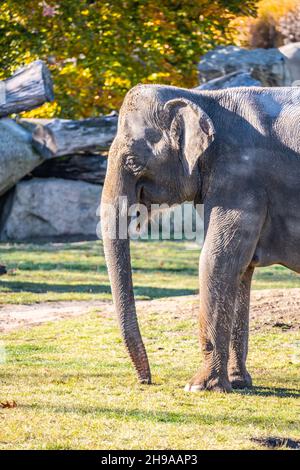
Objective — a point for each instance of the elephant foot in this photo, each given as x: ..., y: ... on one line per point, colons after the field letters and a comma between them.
x: 240, y: 380
x: 202, y: 382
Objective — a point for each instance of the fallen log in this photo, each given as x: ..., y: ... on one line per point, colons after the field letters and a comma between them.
x: 17, y: 156
x: 28, y: 88
x: 231, y: 80
x: 60, y: 137
x: 89, y: 168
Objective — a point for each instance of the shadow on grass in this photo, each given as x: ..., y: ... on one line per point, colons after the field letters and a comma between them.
x: 40, y: 288
x: 81, y: 267
x: 97, y: 267
x: 160, y: 269
x: 270, y: 392
x: 278, y: 392
x: 158, y: 416
x: 50, y: 247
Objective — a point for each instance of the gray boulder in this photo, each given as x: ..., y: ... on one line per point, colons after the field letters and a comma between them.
x: 51, y: 210
x: 291, y: 53
x: 231, y: 80
x: 265, y: 65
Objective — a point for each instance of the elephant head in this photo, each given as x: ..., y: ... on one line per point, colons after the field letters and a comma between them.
x: 162, y: 133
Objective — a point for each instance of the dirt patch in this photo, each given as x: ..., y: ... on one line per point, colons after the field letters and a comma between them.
x: 275, y: 308
x: 270, y: 309
x: 18, y: 316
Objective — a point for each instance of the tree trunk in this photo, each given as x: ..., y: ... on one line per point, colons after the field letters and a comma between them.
x: 89, y: 168
x: 28, y: 88
x: 59, y: 137
x: 17, y: 157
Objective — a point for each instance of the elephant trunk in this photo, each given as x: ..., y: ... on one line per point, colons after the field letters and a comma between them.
x: 117, y: 255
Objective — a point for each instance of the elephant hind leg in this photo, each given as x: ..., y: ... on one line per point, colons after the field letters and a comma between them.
x: 239, y: 377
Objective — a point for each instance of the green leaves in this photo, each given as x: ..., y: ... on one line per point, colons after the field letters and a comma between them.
x: 98, y: 50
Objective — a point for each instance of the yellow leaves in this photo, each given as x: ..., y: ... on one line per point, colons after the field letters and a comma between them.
x: 68, y: 68
x: 47, y: 110
x: 158, y: 77
x: 153, y: 22
x: 116, y: 15
x: 275, y: 8
x: 155, y: 44
x: 103, y: 48
x: 115, y: 81
x: 268, y: 12
x: 86, y: 74
x: 28, y: 57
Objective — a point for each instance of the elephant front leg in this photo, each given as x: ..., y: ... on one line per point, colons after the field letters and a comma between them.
x: 217, y: 300
x: 231, y: 238
x: 238, y: 374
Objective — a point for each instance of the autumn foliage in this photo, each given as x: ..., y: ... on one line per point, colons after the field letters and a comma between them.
x: 276, y: 23
x: 97, y: 50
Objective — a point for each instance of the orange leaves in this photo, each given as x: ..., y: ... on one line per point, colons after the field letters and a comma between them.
x: 98, y: 50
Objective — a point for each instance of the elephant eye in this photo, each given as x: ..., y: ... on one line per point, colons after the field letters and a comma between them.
x: 134, y: 165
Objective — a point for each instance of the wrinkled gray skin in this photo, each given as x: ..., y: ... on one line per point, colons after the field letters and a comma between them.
x: 237, y: 151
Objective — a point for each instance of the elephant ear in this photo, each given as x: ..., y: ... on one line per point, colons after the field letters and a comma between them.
x: 191, y: 128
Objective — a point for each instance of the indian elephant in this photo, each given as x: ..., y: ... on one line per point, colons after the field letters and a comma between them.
x: 237, y: 151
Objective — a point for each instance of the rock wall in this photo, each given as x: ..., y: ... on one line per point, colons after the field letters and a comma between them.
x: 51, y: 209
x: 268, y: 66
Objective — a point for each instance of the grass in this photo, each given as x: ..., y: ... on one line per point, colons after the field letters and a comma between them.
x: 77, y: 272
x: 75, y: 389
x: 74, y: 385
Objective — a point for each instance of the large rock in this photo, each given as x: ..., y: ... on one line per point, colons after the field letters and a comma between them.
x: 291, y: 53
x: 17, y: 157
x: 231, y: 80
x: 266, y: 65
x: 51, y: 210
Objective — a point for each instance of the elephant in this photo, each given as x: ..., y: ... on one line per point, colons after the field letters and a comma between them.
x: 237, y: 152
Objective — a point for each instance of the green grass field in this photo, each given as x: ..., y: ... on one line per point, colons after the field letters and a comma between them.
x: 77, y: 272
x: 72, y: 380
